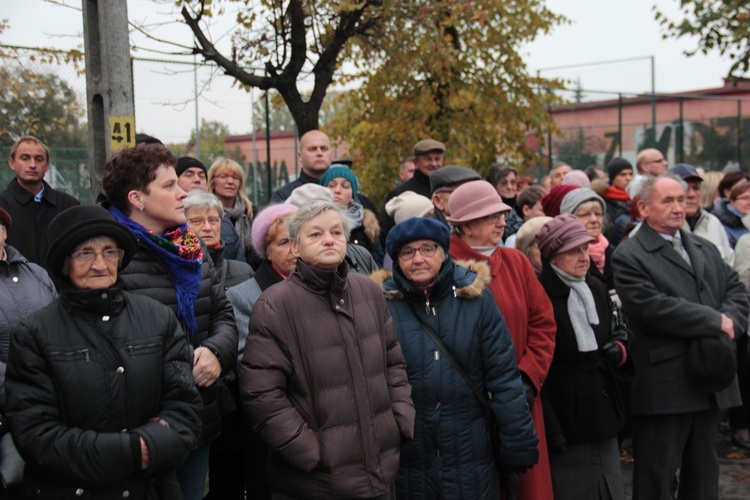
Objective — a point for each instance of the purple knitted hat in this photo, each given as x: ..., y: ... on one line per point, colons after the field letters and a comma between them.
x: 263, y: 221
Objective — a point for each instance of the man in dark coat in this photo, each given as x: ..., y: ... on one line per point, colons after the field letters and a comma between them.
x: 675, y: 293
x: 30, y: 201
x: 429, y: 156
x: 315, y: 156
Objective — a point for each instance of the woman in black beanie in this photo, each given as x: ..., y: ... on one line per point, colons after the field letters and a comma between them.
x: 100, y: 398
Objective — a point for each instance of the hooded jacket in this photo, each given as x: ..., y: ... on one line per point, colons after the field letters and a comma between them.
x: 323, y: 382
x: 451, y: 454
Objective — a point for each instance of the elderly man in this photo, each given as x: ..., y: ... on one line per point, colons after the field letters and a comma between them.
x: 315, y: 156
x: 649, y: 162
x: 323, y: 378
x: 30, y: 201
x: 442, y: 183
x: 429, y: 156
x: 685, y: 305
x: 454, y: 337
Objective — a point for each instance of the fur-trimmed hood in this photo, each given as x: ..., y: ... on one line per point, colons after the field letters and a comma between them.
x: 371, y: 226
x: 470, y: 279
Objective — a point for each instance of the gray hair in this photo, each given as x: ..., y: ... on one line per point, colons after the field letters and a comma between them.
x: 646, y: 189
x: 96, y: 239
x: 309, y: 211
x: 202, y: 200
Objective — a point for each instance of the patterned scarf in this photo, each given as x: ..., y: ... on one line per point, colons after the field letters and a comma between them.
x: 180, y: 252
x: 357, y: 212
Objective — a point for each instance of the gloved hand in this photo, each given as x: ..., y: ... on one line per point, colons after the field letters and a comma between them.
x: 529, y: 390
x: 614, y: 353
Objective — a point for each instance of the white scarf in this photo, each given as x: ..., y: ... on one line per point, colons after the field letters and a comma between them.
x: 581, y: 309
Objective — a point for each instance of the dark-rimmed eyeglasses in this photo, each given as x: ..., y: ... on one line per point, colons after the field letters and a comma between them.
x: 427, y: 250
x: 110, y: 255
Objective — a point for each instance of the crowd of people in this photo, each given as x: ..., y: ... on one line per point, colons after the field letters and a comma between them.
x: 474, y: 337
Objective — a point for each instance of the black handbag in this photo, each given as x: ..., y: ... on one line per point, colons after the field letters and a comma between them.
x: 508, y: 477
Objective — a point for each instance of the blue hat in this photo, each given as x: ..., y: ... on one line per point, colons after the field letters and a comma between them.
x: 685, y: 172
x: 414, y: 229
x: 341, y: 171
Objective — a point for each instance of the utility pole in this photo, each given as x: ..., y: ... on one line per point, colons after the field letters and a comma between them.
x: 109, y: 83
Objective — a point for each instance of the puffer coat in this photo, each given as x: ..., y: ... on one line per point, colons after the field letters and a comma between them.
x: 86, y: 377
x: 146, y: 275
x: 323, y: 382
x: 451, y: 455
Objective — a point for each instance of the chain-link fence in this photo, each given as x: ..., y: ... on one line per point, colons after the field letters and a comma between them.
x: 709, y: 130
x: 165, y: 96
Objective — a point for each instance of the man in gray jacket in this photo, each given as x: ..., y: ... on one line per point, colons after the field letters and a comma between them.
x: 678, y: 293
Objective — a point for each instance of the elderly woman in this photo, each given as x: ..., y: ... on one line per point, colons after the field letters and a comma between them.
x: 24, y: 288
x: 451, y: 455
x: 590, y: 208
x: 101, y: 402
x: 478, y: 218
x: 226, y: 180
x: 732, y: 212
x: 271, y: 240
x: 360, y: 260
x: 323, y: 378
x: 366, y: 232
x: 204, y: 214
x: 171, y: 267
x: 581, y: 385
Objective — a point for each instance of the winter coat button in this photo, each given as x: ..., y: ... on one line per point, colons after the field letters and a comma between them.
x: 15, y: 279
x: 338, y: 307
x: 79, y: 492
x: 125, y: 494
x: 105, y: 318
x: 341, y: 301
x: 104, y: 295
x: 120, y: 369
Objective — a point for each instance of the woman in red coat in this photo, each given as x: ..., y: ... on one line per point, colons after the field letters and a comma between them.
x: 478, y: 218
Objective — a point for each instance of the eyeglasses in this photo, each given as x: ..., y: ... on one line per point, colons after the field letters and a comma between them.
x: 229, y: 176
x: 202, y: 220
x: 408, y: 253
x: 110, y: 255
x: 493, y: 218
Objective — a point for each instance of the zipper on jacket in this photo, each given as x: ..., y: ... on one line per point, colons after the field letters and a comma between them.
x: 85, y: 352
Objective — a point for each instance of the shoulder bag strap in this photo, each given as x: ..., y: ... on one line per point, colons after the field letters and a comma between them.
x: 483, y: 399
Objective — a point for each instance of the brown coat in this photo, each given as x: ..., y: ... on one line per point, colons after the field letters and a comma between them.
x: 323, y: 380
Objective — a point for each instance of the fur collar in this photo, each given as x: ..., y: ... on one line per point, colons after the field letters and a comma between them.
x: 471, y: 290
x: 371, y: 226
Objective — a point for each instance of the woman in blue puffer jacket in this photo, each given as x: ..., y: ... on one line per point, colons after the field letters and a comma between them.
x: 451, y: 454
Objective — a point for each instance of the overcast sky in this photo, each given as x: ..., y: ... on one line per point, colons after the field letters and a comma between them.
x: 601, y: 30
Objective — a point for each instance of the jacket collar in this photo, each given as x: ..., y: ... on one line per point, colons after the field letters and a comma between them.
x: 266, y: 276
x: 465, y: 279
x: 319, y: 281
x: 23, y: 196
x: 653, y: 243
